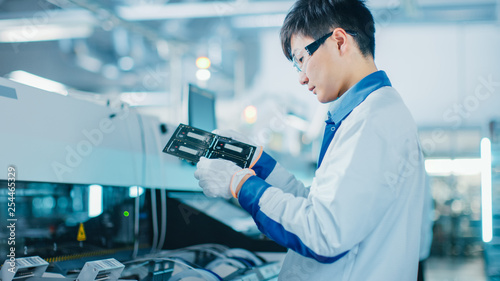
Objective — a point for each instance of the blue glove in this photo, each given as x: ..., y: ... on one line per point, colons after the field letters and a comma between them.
x: 219, y: 178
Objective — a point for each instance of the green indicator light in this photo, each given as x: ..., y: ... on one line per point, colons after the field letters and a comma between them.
x: 125, y: 213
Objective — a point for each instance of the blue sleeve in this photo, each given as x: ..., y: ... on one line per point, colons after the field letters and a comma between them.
x: 264, y: 166
x: 249, y: 197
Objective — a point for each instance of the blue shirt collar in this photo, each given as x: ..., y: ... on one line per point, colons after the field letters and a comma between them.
x: 341, y: 107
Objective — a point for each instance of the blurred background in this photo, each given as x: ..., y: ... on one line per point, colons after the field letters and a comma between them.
x: 140, y: 55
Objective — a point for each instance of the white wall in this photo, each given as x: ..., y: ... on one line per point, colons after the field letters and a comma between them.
x: 448, y: 75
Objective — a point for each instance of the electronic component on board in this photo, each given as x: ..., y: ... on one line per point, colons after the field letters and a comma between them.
x: 240, y: 162
x: 191, y: 144
x: 185, y: 150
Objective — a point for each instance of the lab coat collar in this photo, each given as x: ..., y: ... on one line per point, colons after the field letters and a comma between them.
x: 341, y: 107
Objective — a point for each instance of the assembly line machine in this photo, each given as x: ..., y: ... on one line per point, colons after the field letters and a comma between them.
x: 87, y: 194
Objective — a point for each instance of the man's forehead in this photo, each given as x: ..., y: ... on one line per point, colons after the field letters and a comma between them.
x: 297, y: 43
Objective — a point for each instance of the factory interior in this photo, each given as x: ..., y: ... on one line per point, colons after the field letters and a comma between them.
x: 93, y: 95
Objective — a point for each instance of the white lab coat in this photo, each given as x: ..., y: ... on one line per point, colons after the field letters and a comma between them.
x: 366, y: 199
x: 427, y: 222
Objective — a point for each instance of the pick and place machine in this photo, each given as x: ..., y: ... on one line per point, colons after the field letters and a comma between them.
x: 97, y: 200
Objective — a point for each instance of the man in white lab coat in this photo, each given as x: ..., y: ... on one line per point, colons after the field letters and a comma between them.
x: 361, y: 218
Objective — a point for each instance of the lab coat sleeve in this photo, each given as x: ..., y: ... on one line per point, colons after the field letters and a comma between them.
x: 349, y: 196
x: 276, y: 175
x: 427, y: 222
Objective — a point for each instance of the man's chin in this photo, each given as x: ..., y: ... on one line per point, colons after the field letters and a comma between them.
x: 323, y: 99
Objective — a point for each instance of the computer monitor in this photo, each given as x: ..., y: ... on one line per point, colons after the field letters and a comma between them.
x: 201, y: 108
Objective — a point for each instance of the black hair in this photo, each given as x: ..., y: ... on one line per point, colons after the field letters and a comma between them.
x: 315, y: 18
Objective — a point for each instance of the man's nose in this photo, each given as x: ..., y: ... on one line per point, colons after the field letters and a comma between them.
x: 303, y: 80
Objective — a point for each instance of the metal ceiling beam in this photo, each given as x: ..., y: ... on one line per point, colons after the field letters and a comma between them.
x: 201, y: 10
x: 150, y: 34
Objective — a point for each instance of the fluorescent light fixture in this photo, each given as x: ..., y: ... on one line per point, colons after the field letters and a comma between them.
x: 95, y: 200
x: 36, y: 81
x: 44, y: 26
x: 447, y: 167
x: 47, y: 32
x: 486, y: 203
x: 202, y: 10
x: 275, y: 20
x: 135, y: 191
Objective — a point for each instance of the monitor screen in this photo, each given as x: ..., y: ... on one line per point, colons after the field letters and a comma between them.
x: 201, y: 108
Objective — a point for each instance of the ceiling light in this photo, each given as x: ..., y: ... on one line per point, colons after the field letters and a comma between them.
x: 202, y: 10
x: 203, y: 74
x: 126, y: 63
x: 250, y: 114
x: 48, y: 26
x: 47, y: 32
x: 448, y: 167
x: 203, y: 62
x: 36, y: 81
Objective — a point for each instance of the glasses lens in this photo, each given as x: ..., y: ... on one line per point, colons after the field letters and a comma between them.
x: 297, y: 65
x: 298, y: 61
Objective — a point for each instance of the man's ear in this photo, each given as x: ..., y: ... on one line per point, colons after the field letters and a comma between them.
x: 340, y: 37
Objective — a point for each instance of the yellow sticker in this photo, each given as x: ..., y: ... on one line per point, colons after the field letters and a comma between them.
x: 81, y: 233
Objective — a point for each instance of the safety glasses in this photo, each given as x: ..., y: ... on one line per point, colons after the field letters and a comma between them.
x: 299, y: 61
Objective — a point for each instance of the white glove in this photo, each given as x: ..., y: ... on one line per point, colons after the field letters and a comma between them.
x: 219, y: 177
x: 242, y: 138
